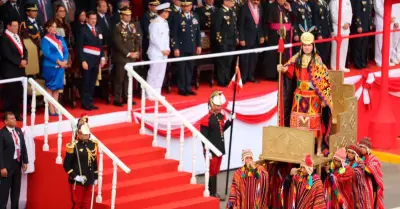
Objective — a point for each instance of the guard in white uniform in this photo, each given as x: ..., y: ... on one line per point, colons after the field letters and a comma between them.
x: 378, y: 7
x: 347, y: 14
x: 395, y: 42
x: 158, y: 48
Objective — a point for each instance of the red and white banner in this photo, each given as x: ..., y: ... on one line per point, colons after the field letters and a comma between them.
x: 261, y: 108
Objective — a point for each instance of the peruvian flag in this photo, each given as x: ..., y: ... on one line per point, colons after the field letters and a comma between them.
x: 236, y: 79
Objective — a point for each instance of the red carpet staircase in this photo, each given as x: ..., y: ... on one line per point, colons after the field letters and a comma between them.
x: 154, y: 182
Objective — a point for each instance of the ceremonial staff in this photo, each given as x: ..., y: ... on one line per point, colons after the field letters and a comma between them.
x: 237, y: 77
x: 281, y: 49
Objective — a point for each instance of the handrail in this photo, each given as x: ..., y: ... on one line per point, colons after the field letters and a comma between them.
x: 73, y: 120
x: 25, y: 94
x: 145, y: 85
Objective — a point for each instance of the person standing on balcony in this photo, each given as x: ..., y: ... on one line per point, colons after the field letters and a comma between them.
x: 362, y: 23
x: 13, y: 160
x: 150, y: 15
x: 158, y: 48
x: 303, y: 21
x: 213, y: 126
x: 347, y: 14
x: 91, y: 56
x: 322, y: 19
x: 125, y: 49
x: 249, y: 187
x: 379, y: 11
x: 395, y: 43
x: 80, y: 164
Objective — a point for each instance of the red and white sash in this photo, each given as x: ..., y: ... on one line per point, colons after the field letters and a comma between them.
x: 15, y: 42
x: 255, y: 14
x: 56, y: 43
x: 91, y: 50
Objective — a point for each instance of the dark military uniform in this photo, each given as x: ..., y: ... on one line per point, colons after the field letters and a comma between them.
x: 238, y: 5
x: 125, y: 41
x: 32, y: 30
x: 81, y: 160
x: 226, y: 35
x: 145, y: 23
x: 322, y: 19
x: 185, y: 33
x: 362, y: 18
x: 205, y: 15
x: 302, y: 20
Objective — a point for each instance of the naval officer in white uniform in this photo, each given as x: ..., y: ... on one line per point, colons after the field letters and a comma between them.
x: 395, y: 42
x: 347, y: 14
x: 378, y: 7
x: 158, y: 48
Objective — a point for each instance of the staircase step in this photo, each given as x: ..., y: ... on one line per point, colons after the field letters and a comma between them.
x: 138, y: 155
x: 138, y: 170
x: 134, y: 141
x: 194, y: 203
x: 158, y: 197
x: 147, y: 184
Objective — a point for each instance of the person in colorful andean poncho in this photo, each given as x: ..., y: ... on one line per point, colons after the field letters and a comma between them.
x: 359, y: 182
x: 339, y: 183
x: 249, y: 185
x: 306, y: 90
x: 373, y: 176
x: 306, y: 190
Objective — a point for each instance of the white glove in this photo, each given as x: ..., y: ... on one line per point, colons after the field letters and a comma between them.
x: 79, y: 179
x: 95, y: 182
x: 233, y: 116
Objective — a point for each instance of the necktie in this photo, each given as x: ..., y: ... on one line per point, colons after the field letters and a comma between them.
x: 16, y: 8
x: 105, y: 20
x: 93, y: 31
x: 129, y: 28
x: 15, y: 137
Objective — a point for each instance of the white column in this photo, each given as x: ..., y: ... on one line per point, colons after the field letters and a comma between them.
x: 59, y: 138
x: 25, y: 101
x: 114, y: 185
x: 167, y: 154
x: 143, y: 111
x: 99, y: 198
x: 33, y: 115
x: 46, y: 123
x: 182, y: 138
x: 155, y: 129
x: 207, y: 173
x: 130, y: 86
x: 193, y: 179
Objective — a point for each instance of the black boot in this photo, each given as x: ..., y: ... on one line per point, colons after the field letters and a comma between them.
x: 212, y: 185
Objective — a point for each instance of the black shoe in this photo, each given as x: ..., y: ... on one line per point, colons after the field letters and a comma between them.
x: 94, y: 107
x: 191, y: 93
x: 118, y: 104
x: 182, y: 93
x: 85, y: 108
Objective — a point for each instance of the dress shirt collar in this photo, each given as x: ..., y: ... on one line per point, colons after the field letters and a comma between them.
x: 32, y: 20
x: 177, y: 7
x: 101, y: 15
x: 10, y: 129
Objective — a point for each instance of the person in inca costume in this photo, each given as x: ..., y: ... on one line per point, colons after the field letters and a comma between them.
x: 374, y: 176
x: 306, y: 98
x: 249, y: 185
x: 213, y: 126
x: 306, y: 189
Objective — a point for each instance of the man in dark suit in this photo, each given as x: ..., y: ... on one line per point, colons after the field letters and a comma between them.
x: 126, y: 43
x: 14, y: 60
x: 13, y: 157
x: 145, y: 22
x: 104, y: 22
x: 251, y: 35
x: 186, y: 42
x: 91, y: 56
x: 11, y: 10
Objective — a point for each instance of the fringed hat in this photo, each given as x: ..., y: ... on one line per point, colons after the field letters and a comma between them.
x: 366, y: 143
x: 308, y: 164
x: 217, y: 98
x: 354, y: 148
x: 246, y: 153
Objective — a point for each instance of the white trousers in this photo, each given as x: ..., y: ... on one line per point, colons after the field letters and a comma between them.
x: 155, y: 75
x: 395, y: 46
x: 343, y: 49
x: 378, y: 46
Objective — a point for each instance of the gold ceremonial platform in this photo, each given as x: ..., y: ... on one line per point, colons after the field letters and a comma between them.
x: 290, y: 145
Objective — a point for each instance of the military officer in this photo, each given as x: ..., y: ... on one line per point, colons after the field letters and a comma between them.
x: 32, y: 27
x: 185, y: 33
x: 303, y: 21
x: 378, y: 8
x: 226, y: 37
x: 362, y: 22
x: 347, y: 14
x: 395, y: 43
x: 80, y: 164
x: 158, y: 48
x: 321, y: 17
x: 206, y: 14
x: 238, y: 5
x: 145, y: 22
x: 126, y: 43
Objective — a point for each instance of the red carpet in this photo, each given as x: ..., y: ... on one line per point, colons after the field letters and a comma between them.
x: 153, y: 182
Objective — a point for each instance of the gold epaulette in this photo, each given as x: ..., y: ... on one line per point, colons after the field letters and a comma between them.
x: 155, y: 20
x: 71, y: 147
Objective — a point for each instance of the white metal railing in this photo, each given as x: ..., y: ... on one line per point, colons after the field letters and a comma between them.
x: 24, y: 82
x: 73, y: 121
x: 184, y: 124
